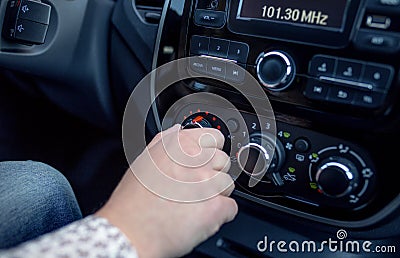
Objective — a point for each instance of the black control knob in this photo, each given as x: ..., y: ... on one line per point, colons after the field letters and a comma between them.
x: 275, y: 70
x: 196, y: 122
x: 337, y: 177
x: 262, y: 154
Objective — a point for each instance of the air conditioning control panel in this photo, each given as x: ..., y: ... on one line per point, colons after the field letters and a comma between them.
x: 285, y: 165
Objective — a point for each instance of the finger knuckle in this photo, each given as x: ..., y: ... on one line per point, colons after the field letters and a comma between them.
x: 216, y: 205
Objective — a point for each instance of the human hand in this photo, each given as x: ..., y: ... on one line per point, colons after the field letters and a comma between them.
x: 164, y: 219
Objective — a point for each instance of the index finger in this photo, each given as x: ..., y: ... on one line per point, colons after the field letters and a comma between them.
x: 164, y: 133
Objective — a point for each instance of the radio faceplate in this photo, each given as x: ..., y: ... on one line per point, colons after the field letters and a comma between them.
x: 319, y: 68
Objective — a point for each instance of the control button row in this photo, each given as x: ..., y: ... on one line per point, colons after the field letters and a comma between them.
x: 317, y: 90
x: 220, y: 69
x: 357, y: 73
x: 209, y: 18
x: 232, y: 50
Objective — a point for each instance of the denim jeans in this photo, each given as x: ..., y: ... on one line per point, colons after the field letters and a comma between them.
x: 34, y: 199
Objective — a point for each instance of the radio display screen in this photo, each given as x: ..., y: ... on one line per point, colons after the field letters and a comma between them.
x: 328, y: 14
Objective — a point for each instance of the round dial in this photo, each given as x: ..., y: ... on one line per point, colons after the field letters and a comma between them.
x: 337, y: 177
x: 275, y: 70
x: 254, y: 158
x: 260, y: 155
x: 206, y: 119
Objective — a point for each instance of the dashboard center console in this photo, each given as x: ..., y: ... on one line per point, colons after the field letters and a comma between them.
x: 330, y: 73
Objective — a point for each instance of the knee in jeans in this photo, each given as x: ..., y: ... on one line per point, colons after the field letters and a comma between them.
x: 35, y: 198
x: 36, y: 185
x: 34, y: 178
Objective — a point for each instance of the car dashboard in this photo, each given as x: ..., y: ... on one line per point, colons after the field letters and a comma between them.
x: 305, y: 92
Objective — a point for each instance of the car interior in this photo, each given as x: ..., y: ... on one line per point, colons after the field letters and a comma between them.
x: 323, y: 150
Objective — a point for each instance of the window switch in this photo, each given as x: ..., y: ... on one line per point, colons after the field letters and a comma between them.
x: 26, y: 21
x: 29, y: 31
x: 35, y: 11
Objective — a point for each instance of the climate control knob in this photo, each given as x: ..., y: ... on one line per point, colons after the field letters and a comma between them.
x: 337, y: 177
x: 275, y: 70
x: 196, y: 122
x: 262, y: 154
